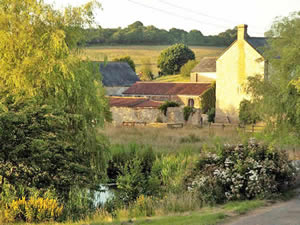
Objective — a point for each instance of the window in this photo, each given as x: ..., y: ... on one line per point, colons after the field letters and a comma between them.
x: 191, y: 102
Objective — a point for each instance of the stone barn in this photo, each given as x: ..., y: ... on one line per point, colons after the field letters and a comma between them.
x: 187, y: 94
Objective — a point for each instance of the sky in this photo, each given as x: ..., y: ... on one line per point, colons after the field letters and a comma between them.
x: 209, y: 16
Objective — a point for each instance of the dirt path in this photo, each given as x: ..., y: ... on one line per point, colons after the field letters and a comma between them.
x: 287, y: 213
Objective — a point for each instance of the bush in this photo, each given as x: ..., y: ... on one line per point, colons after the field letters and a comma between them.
x: 187, y: 111
x: 131, y: 168
x: 211, y: 115
x: 240, y: 172
x: 164, y: 107
x: 186, y: 69
x: 126, y: 59
x: 33, y: 210
x: 173, y: 58
x: 247, y: 114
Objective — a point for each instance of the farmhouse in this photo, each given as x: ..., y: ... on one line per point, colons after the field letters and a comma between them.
x: 188, y: 94
x: 243, y: 59
x: 117, y: 77
x: 205, y: 71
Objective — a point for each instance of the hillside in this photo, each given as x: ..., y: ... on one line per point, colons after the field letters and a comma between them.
x: 142, y: 53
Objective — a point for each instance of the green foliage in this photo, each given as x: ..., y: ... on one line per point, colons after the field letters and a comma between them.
x: 208, y: 99
x: 277, y: 96
x: 146, y: 71
x: 164, y: 107
x: 138, y: 34
x: 173, y: 58
x: 240, y: 172
x: 211, y: 115
x: 135, y: 178
x: 34, y: 137
x: 187, y: 111
x: 80, y: 204
x: 186, y: 69
x: 51, y: 101
x: 242, y: 207
x: 130, y: 167
x: 32, y: 210
x: 126, y: 59
x: 247, y: 114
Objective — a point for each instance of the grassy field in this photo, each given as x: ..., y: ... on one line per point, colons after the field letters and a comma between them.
x: 173, y: 140
x: 140, y: 53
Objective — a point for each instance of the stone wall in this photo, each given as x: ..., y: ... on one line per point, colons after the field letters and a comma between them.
x: 152, y: 115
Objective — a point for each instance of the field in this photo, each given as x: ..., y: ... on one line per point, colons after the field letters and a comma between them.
x: 141, y: 53
x: 165, y: 140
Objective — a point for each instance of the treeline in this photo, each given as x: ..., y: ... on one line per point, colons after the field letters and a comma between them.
x: 138, y: 34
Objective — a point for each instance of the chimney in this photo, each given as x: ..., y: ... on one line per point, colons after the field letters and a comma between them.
x: 242, y: 31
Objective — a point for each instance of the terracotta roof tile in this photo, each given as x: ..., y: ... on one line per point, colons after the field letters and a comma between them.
x: 133, y: 102
x: 152, y: 88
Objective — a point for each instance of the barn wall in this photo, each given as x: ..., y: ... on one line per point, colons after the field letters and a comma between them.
x: 152, y: 115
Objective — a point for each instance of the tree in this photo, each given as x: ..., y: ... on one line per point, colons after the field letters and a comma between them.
x: 186, y: 69
x: 172, y: 58
x: 228, y: 36
x: 247, y: 114
x: 126, y: 59
x: 177, y: 35
x: 195, y: 37
x: 277, y: 97
x: 39, y: 61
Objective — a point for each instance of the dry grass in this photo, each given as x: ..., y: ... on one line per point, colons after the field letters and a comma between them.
x: 140, y: 53
x: 172, y: 140
x: 173, y: 78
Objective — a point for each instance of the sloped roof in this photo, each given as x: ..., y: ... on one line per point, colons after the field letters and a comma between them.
x: 117, y: 74
x: 152, y: 88
x: 207, y: 64
x: 133, y: 102
x: 259, y: 43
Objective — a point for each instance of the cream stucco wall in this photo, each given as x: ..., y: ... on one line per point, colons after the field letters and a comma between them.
x: 238, y: 63
x: 203, y: 77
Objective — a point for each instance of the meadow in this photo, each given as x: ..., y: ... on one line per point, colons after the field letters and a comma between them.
x: 141, y: 53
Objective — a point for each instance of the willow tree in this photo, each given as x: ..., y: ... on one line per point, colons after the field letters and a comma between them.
x: 50, y: 98
x: 277, y: 97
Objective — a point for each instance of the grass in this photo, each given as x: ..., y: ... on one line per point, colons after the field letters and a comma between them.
x: 140, y: 53
x: 166, y: 140
x: 242, y: 207
x: 173, y: 78
x: 206, y: 216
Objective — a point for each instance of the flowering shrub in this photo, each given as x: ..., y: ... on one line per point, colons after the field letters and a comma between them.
x: 32, y: 210
x: 240, y: 172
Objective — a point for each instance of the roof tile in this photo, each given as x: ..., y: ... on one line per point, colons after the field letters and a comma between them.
x: 131, y: 102
x: 152, y: 88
